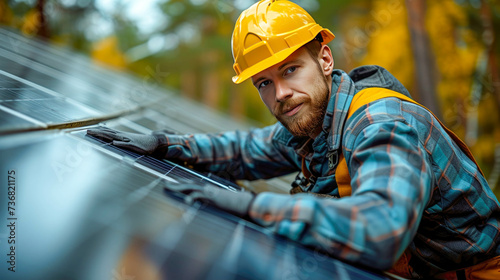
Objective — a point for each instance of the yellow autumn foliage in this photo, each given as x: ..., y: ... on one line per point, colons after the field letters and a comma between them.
x: 108, y: 52
x: 31, y: 23
x: 458, y: 51
x: 456, y: 54
x: 389, y: 47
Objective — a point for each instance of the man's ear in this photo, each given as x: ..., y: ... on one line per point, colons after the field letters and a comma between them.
x: 326, y: 60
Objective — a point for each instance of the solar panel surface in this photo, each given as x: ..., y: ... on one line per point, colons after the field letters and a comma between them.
x: 84, y: 209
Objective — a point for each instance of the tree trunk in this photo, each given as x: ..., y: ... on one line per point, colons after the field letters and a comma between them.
x: 43, y: 30
x: 490, y: 43
x: 424, y: 60
x: 188, y: 83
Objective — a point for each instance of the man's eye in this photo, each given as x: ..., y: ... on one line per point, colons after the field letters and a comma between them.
x: 290, y: 70
x: 264, y: 83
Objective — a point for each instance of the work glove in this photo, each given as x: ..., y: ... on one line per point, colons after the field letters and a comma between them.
x: 154, y: 144
x: 236, y: 203
x: 164, y: 131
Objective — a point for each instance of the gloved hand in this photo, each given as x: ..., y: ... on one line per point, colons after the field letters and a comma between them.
x: 140, y: 143
x: 237, y: 203
x: 164, y: 131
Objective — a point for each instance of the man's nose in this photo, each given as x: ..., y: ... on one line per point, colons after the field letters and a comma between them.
x: 283, y: 91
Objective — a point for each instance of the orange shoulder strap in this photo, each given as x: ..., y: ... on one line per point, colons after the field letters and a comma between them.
x: 367, y: 96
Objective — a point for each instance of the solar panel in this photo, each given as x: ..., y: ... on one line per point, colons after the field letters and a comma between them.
x: 62, y: 60
x: 11, y: 122
x: 13, y: 93
x: 68, y: 76
x: 50, y: 110
x: 85, y: 209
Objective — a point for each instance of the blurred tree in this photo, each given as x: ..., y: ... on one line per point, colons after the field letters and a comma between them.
x: 62, y: 22
x: 199, y: 58
x: 43, y: 30
x: 425, y: 74
x: 386, y: 40
x: 490, y: 40
x: 5, y: 13
x: 465, y: 87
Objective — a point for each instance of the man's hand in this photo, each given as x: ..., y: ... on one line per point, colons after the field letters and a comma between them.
x: 237, y: 203
x: 139, y: 143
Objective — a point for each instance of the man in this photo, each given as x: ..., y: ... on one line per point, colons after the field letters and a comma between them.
x: 387, y: 186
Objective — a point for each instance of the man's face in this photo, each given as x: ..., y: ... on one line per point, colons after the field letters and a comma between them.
x: 296, y: 93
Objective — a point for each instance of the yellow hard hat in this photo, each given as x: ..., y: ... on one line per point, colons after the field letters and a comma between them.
x: 268, y: 32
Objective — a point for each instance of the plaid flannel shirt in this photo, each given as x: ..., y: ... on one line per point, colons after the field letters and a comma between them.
x: 412, y: 187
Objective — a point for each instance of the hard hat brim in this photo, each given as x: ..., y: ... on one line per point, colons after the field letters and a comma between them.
x: 277, y: 58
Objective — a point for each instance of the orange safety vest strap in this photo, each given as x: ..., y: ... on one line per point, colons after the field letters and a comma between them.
x: 343, y: 178
x: 369, y: 95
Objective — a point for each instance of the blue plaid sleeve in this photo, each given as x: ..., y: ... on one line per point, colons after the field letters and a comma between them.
x: 391, y: 179
x: 255, y: 154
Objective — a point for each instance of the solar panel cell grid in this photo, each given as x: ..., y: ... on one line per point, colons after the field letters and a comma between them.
x: 53, y: 110
x: 18, y: 94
